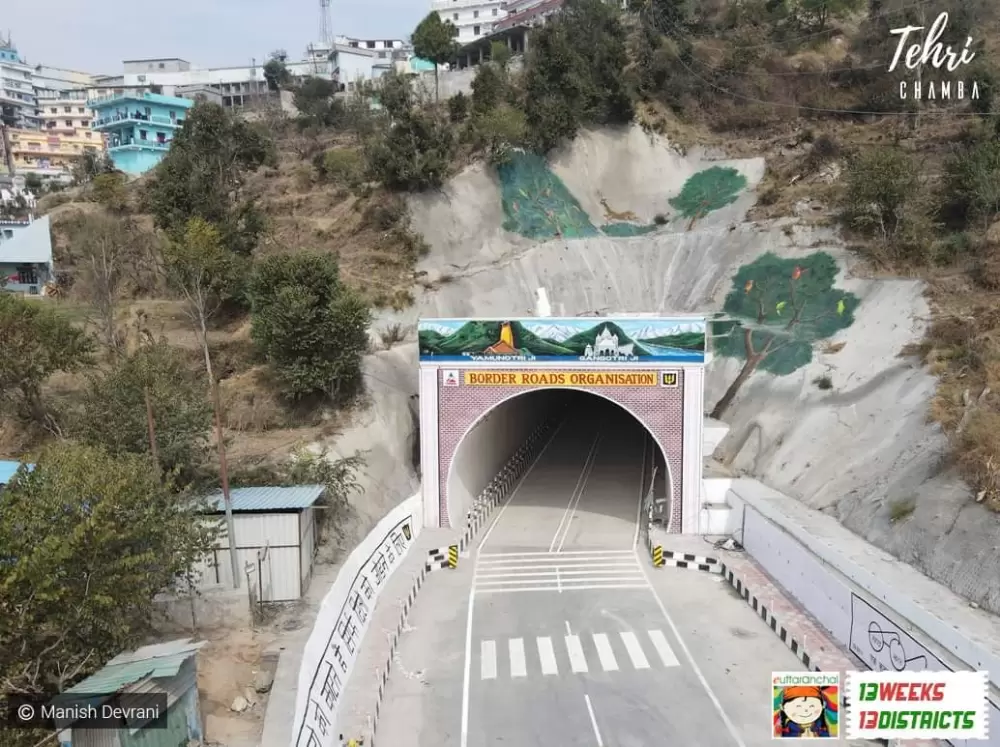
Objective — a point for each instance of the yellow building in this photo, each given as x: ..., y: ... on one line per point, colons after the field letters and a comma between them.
x: 51, y: 154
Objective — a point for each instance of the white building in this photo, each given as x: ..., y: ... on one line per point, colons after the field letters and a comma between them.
x: 277, y: 534
x: 61, y: 97
x: 474, y: 18
x: 17, y: 92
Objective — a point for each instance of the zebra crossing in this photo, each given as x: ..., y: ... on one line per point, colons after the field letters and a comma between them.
x: 569, y: 570
x: 547, y: 656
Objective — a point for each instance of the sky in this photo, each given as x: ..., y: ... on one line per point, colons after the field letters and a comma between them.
x: 94, y: 36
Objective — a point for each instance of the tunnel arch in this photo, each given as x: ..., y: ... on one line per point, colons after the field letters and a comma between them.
x: 658, y: 423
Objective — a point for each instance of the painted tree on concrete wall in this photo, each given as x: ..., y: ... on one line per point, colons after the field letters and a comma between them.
x: 777, y: 310
x: 708, y: 190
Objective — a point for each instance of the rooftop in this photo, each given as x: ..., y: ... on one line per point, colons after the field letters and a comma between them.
x: 152, y: 98
x: 295, y: 498
x: 31, y: 244
x: 161, y: 660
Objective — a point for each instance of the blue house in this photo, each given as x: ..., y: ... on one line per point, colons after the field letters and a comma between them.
x: 138, y: 127
x: 26, y: 255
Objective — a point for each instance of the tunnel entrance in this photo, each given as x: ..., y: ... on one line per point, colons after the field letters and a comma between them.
x: 485, y: 385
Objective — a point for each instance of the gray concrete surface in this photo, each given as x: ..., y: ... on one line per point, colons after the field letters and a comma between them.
x: 553, y: 632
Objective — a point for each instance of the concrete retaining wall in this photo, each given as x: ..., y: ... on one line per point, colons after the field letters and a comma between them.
x: 889, y: 615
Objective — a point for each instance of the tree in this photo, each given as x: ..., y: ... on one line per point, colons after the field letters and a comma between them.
x: 108, y: 189
x: 708, y: 190
x: 200, y: 270
x: 972, y: 183
x: 314, y: 101
x: 575, y: 73
x: 881, y: 186
x: 276, y: 74
x: 114, y: 410
x: 33, y: 183
x: 88, y: 541
x: 37, y: 342
x: 778, y: 308
x: 488, y: 87
x: 434, y: 41
x: 666, y: 16
x: 500, y: 55
x: 815, y: 14
x: 498, y: 131
x: 414, y: 153
x: 204, y: 173
x: 458, y: 107
x: 311, y: 328
x: 107, y: 249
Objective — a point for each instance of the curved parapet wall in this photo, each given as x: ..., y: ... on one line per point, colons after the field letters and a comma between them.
x: 342, y: 621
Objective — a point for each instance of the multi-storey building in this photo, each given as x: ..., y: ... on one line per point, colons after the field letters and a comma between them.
x: 473, y: 18
x: 384, y: 49
x: 48, y: 155
x: 61, y: 97
x: 17, y: 93
x: 138, y: 127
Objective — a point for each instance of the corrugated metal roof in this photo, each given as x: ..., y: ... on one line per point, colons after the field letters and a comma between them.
x: 298, y: 497
x: 8, y: 468
x: 157, y: 661
x: 31, y: 244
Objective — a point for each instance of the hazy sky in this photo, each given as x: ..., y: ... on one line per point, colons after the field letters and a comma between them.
x: 96, y: 35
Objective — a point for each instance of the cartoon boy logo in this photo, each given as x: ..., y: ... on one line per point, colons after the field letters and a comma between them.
x: 805, y: 712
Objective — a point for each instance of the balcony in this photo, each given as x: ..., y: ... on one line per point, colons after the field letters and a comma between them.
x: 116, y: 143
x: 135, y: 118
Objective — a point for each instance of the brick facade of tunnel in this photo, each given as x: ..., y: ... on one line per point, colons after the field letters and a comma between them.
x: 659, y: 409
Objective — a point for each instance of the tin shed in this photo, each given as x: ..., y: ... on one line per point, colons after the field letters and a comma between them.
x: 276, y: 541
x: 169, y: 668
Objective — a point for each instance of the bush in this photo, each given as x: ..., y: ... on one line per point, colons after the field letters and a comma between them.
x: 488, y: 87
x: 498, y: 131
x: 458, y: 107
x: 971, y: 189
x: 344, y: 167
x: 880, y: 185
x: 109, y: 190
x: 310, y: 328
x: 413, y: 154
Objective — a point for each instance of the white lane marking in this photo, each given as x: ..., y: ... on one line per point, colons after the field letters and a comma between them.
x: 577, y: 661
x: 547, y: 654
x: 663, y: 648
x: 518, y: 667
x: 604, y: 653
x: 593, y: 721
x: 513, y: 493
x: 562, y: 572
x: 694, y: 666
x: 642, y: 482
x: 635, y: 653
x: 568, y: 631
x: 505, y: 590
x: 488, y: 660
x: 572, y: 496
x: 468, y: 665
x: 556, y: 583
x: 579, y: 496
x: 545, y: 555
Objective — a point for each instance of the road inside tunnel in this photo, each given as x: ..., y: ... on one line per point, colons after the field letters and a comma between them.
x: 584, y: 490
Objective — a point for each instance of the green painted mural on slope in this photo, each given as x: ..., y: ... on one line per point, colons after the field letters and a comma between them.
x: 708, y: 190
x: 776, y: 311
x: 537, y: 205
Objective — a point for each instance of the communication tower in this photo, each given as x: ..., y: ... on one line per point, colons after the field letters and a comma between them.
x: 325, y: 34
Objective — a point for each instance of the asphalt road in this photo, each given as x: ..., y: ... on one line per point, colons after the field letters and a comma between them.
x: 570, y: 637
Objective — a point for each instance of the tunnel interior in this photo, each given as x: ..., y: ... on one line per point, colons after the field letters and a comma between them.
x: 600, y: 456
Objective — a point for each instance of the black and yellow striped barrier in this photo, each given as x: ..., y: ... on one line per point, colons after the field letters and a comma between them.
x: 657, y: 556
x: 453, y: 556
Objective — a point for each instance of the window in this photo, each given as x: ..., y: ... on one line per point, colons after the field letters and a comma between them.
x: 87, y: 134
x: 454, y: 16
x: 67, y: 109
x: 81, y: 110
x: 494, y: 11
x: 53, y: 110
x: 26, y: 275
x: 475, y: 30
x: 370, y: 44
x: 142, y: 134
x: 475, y: 14
x: 160, y: 66
x: 381, y: 55
x: 85, y: 123
x: 69, y: 122
x: 50, y: 125
x: 354, y: 44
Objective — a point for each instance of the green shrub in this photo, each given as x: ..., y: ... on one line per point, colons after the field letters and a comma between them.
x: 971, y: 188
x: 413, y: 154
x: 344, y: 167
x: 458, y: 107
x: 498, y: 131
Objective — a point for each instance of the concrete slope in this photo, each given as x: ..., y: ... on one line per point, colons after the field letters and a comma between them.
x: 853, y: 450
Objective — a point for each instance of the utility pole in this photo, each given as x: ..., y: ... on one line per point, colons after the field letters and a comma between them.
x: 224, y: 478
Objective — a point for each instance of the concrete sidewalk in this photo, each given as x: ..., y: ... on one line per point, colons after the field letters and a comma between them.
x: 360, y: 700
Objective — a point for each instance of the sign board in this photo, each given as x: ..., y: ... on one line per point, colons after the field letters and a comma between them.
x: 342, y: 622
x: 575, y: 339
x: 450, y: 378
x: 883, y: 646
x: 542, y: 378
x: 670, y: 379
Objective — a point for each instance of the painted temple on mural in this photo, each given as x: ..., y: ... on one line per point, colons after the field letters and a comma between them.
x: 606, y: 346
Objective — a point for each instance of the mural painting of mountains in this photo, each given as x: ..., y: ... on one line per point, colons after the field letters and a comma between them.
x: 617, y: 339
